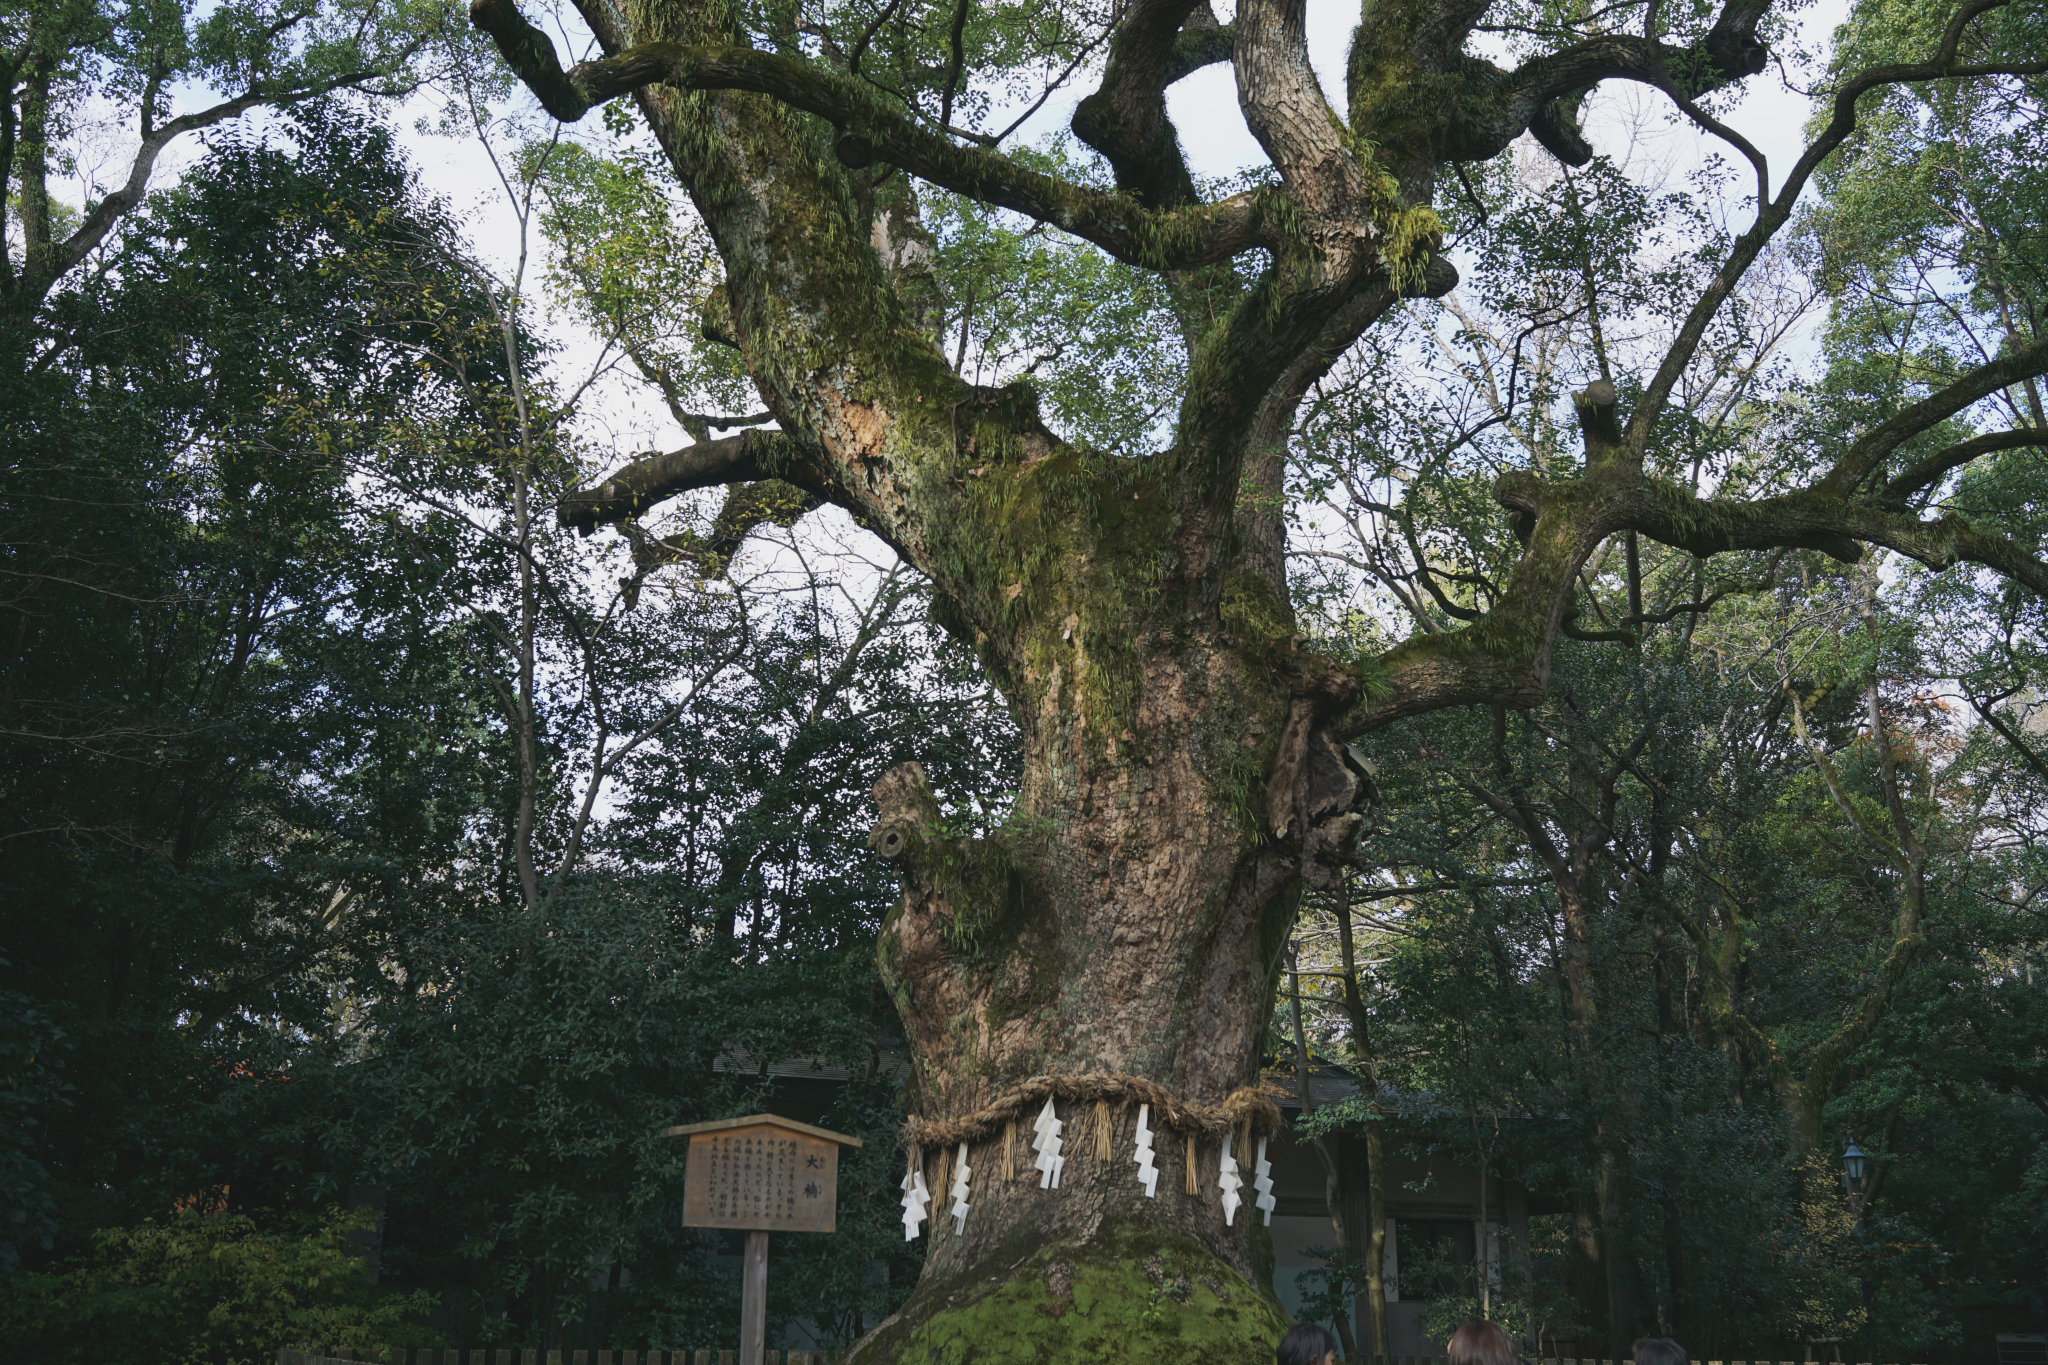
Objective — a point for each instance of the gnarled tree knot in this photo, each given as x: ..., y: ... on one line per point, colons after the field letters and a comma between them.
x: 904, y: 798
x: 1311, y: 790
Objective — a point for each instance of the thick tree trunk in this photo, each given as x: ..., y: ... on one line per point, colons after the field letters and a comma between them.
x: 1133, y: 926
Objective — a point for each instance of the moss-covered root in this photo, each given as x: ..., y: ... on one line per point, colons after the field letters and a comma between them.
x: 1163, y: 1300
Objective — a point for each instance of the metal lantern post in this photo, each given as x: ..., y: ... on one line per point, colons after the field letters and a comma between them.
x: 760, y: 1174
x: 1853, y: 1162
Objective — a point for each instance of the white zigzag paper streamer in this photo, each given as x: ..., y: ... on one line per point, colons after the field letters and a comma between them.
x: 1262, y: 1170
x: 1046, y: 1142
x: 1148, y: 1174
x: 959, y: 1209
x: 916, y: 1198
x: 1230, y: 1182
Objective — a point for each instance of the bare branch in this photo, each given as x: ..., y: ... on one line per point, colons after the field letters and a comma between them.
x: 110, y: 210
x: 1774, y: 215
x: 1927, y: 471
x: 744, y: 458
x: 872, y: 130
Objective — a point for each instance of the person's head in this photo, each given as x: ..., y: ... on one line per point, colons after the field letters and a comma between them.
x: 1481, y: 1343
x: 1308, y: 1344
x: 1659, y: 1351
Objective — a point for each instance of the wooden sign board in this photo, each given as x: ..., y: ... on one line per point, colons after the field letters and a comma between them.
x: 762, y: 1174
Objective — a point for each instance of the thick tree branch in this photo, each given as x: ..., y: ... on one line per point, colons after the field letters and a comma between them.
x: 1806, y: 520
x: 1504, y: 657
x: 1540, y: 94
x: 745, y: 458
x: 1284, y: 107
x: 1260, y: 517
x: 1200, y: 44
x: 700, y: 425
x: 1125, y: 119
x: 872, y: 130
x: 747, y: 506
x: 1918, y: 476
x: 1870, y: 449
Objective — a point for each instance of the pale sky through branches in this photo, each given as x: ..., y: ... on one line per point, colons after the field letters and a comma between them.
x: 1204, y: 109
x: 621, y: 414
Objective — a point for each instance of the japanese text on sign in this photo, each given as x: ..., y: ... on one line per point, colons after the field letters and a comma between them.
x: 753, y: 1177
x: 762, y: 1178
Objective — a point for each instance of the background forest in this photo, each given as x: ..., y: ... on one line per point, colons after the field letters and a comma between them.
x: 382, y: 865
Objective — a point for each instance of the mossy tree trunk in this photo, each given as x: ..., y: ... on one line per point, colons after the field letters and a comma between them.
x: 1185, y: 767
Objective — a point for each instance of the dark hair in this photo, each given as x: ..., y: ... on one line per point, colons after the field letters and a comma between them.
x: 1659, y: 1351
x: 1481, y: 1343
x: 1307, y: 1344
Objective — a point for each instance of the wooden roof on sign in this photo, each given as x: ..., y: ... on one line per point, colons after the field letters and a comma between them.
x: 755, y: 1120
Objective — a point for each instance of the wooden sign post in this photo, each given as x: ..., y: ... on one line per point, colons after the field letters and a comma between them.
x: 762, y: 1174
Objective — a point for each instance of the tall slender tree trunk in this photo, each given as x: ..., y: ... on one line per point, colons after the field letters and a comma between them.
x: 1483, y: 1264
x: 1617, y: 1260
x: 1376, y: 1236
x: 1327, y: 1148
x: 1366, y: 1066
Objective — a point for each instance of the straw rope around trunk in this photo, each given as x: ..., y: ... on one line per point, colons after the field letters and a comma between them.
x: 1248, y: 1109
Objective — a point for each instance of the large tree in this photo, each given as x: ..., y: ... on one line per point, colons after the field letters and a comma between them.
x: 1187, y: 759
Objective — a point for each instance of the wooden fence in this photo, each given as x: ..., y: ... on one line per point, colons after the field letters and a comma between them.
x: 437, y: 1355
x: 1428, y: 1360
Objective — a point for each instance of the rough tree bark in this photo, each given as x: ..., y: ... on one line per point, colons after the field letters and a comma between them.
x: 1185, y: 767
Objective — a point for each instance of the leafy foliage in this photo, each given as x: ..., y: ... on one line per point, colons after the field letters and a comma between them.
x: 207, y: 1288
